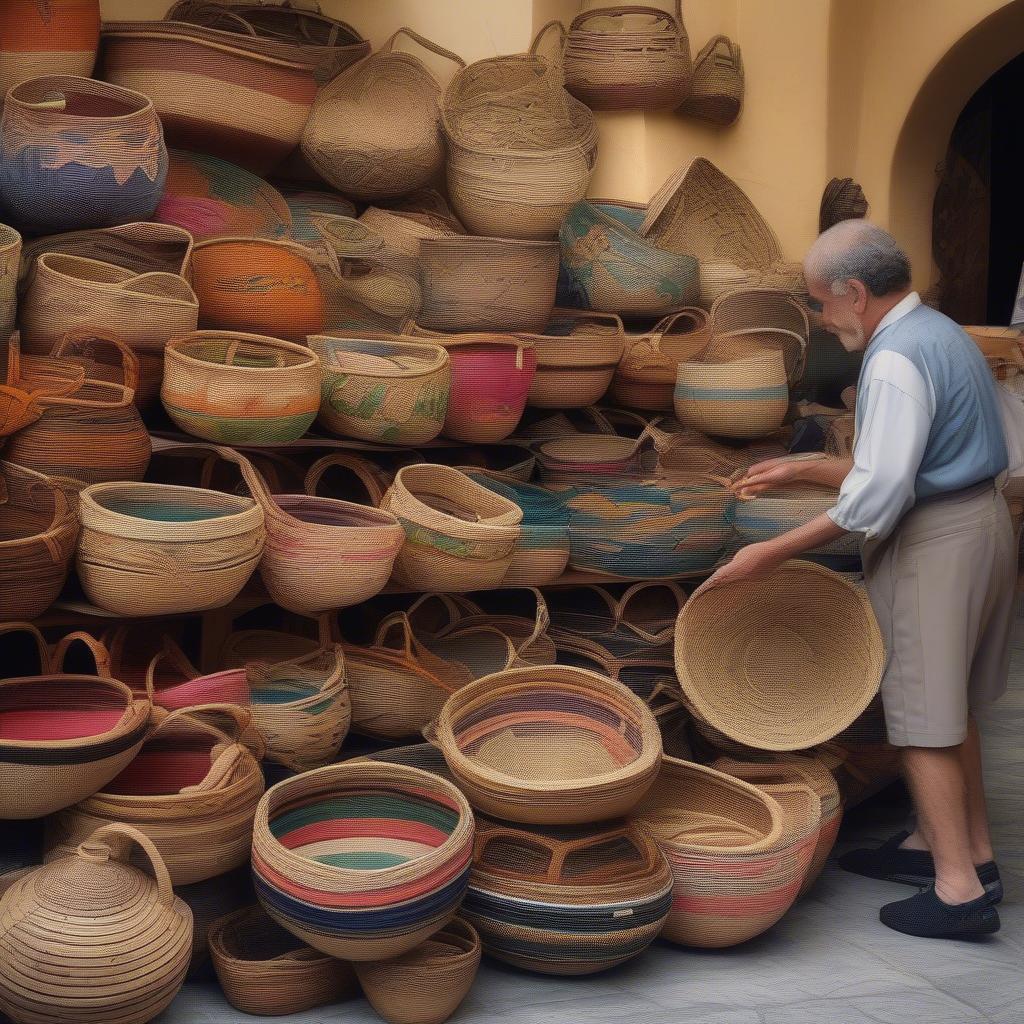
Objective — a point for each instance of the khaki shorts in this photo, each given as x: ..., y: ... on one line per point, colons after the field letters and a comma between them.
x: 942, y: 586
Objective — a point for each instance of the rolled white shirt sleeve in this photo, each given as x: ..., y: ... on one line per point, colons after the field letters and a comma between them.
x: 899, y: 406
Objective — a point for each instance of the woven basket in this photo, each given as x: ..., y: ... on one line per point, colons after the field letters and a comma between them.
x: 564, y: 900
x: 403, y: 231
x: 157, y: 549
x: 772, y: 513
x: 738, y: 855
x: 236, y: 388
x: 459, y: 536
x: 211, y: 198
x: 230, y: 94
x: 192, y: 789
x: 375, y: 131
x: 427, y: 984
x: 76, y: 153
x: 64, y: 737
x: 716, y: 93
x: 366, y: 475
x: 362, y: 861
x: 57, y: 38
x: 487, y: 284
x: 10, y: 262
x: 549, y: 745
x: 56, y: 921
x: 843, y: 199
x: 209, y: 901
x: 583, y: 459
x: 308, y: 206
x: 266, y: 971
x: 391, y: 392
x: 781, y: 663
x: 745, y: 398
x: 628, y: 57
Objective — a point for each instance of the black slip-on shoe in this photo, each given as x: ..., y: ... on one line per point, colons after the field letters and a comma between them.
x: 927, y: 917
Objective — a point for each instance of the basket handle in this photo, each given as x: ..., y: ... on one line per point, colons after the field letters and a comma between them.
x: 229, y: 356
x: 427, y: 44
x: 98, y: 650
x: 541, y: 621
x: 116, y: 840
x: 446, y: 601
x: 45, y: 660
x: 397, y: 622
x: 538, y: 40
x: 242, y: 732
x: 620, y: 607
x: 355, y: 463
x: 172, y: 654
x: 217, y: 14
x: 85, y: 340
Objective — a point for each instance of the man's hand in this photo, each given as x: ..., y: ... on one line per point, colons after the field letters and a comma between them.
x: 767, y: 475
x: 750, y: 562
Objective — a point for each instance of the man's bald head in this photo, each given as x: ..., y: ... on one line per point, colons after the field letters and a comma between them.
x: 855, y: 250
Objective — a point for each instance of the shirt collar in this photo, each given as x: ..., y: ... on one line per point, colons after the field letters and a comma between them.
x: 906, y: 305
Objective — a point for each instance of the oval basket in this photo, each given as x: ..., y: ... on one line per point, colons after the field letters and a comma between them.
x: 772, y: 513
x: 549, y: 745
x: 716, y: 93
x: 362, y: 861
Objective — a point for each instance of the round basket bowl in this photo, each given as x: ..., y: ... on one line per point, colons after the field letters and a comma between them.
x: 362, y: 861
x: 427, y: 984
x: 240, y: 388
x: 268, y: 972
x: 387, y: 391
x: 549, y: 744
x: 780, y: 663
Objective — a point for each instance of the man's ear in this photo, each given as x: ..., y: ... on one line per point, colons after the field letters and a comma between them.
x: 859, y: 294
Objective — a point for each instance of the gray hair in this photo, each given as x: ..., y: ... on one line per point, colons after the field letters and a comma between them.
x: 854, y: 250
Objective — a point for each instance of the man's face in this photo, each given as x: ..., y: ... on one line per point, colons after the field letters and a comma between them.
x: 838, y: 312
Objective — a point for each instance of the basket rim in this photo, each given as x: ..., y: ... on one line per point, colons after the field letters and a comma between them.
x: 507, y: 521
x: 43, y: 262
x: 175, y: 348
x: 94, y: 87
x: 435, y: 356
x: 472, y: 242
x: 65, y: 522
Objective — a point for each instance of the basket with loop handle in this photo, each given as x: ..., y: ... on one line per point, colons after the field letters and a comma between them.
x: 131, y: 649
x: 54, y: 919
x: 24, y: 651
x: 716, y: 93
x: 80, y: 653
x: 567, y: 900
x: 427, y: 984
x: 459, y: 536
x: 63, y: 738
x: 369, y: 479
x: 375, y: 131
x: 362, y: 861
x: 192, y: 789
x: 549, y: 745
x: 780, y: 663
x: 629, y: 57
x: 108, y: 358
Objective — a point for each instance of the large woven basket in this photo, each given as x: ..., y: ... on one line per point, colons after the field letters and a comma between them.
x: 76, y: 153
x: 388, y: 391
x: 403, y: 230
x: 458, y: 535
x: 780, y: 663
x: 716, y: 93
x: 266, y: 971
x: 236, y: 388
x: 307, y: 206
x: 54, y: 921
x: 564, y: 900
x: 427, y: 984
x: 64, y: 737
x: 230, y: 94
x: 192, y: 789
x: 159, y: 549
x: 629, y: 57
x: 738, y: 854
x: 487, y: 284
x: 375, y: 131
x: 362, y: 861
x: 608, y: 266
x: 549, y: 745
x: 38, y: 530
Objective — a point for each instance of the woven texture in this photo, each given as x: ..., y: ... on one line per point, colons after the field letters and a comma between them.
x: 10, y: 260
x: 76, y: 153
x: 780, y: 663
x: 362, y: 861
x: 773, y: 513
x: 307, y: 206
x: 716, y: 93
x: 843, y: 199
x: 55, y: 917
x: 403, y: 230
x: 209, y: 901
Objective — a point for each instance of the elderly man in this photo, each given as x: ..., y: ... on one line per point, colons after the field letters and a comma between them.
x: 923, y: 491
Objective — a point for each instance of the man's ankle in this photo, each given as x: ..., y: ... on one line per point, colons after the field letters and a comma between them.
x: 915, y: 841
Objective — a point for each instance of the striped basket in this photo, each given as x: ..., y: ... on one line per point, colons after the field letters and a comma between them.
x: 388, y: 391
x: 362, y: 861
x: 236, y: 388
x: 63, y: 738
x: 566, y: 901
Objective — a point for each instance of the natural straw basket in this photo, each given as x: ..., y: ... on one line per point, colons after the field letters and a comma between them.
x: 375, y: 131
x: 549, y: 745
x: 458, y: 535
x: 64, y: 737
x: 268, y: 972
x: 716, y: 93
x: 567, y: 900
x: 38, y: 530
x: 843, y: 199
x: 237, y: 388
x: 388, y: 391
x: 427, y: 984
x: 781, y: 663
x: 629, y: 57
x: 107, y: 358
x: 362, y: 861
x: 80, y: 653
x: 367, y: 476
x: 91, y: 939
x: 192, y: 789
x: 403, y: 230
x: 772, y: 513
x: 487, y: 284
x: 158, y: 549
